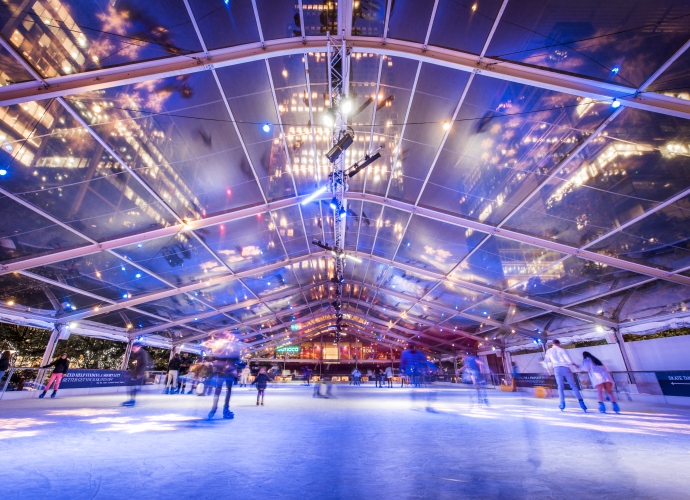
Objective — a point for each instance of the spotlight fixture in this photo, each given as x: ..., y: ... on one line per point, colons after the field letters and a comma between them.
x: 615, y: 104
x: 368, y: 159
x: 266, y: 127
x: 334, y: 203
x: 345, y: 106
x: 342, y: 212
x: 328, y: 118
x: 342, y: 145
x: 325, y: 246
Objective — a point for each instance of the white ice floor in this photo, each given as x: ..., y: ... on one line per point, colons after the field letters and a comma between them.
x: 367, y: 443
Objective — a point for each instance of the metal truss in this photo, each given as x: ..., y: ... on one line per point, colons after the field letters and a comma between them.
x: 423, y: 53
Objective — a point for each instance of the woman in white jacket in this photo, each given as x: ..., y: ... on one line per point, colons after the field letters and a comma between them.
x: 601, y: 379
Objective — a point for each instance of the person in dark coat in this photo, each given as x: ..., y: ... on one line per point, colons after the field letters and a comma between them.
x: 261, y: 382
x: 61, y: 368
x: 173, y: 370
x: 5, y: 361
x: 185, y: 365
x: 140, y: 358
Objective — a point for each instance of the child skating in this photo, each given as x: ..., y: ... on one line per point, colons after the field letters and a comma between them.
x: 61, y: 366
x: 261, y: 382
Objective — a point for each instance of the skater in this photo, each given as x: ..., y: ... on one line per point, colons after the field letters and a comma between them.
x: 307, y: 375
x: 389, y: 376
x: 185, y: 365
x: 61, y: 367
x: 140, y: 358
x: 411, y: 362
x: 224, y: 372
x: 261, y: 382
x: 5, y: 361
x: 474, y: 366
x: 601, y: 379
x: 558, y: 361
x: 356, y: 376
x: 173, y: 370
x: 244, y: 376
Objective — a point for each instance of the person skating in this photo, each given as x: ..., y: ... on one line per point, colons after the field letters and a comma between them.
x: 601, y: 379
x: 140, y: 359
x: 389, y: 376
x: 5, y: 361
x: 261, y: 382
x: 356, y: 376
x: 244, y: 376
x: 410, y: 362
x: 558, y: 360
x: 173, y: 371
x: 224, y: 373
x: 183, y: 375
x: 61, y: 368
x: 474, y: 366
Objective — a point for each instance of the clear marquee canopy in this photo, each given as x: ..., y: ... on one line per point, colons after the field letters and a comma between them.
x: 155, y: 156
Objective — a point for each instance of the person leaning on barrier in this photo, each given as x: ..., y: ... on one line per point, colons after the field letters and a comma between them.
x: 61, y: 368
x: 5, y: 361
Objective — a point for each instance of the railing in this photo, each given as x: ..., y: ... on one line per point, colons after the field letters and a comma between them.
x: 19, y: 378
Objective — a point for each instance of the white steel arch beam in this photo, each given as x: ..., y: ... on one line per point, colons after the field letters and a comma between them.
x: 455, y: 220
x: 204, y: 61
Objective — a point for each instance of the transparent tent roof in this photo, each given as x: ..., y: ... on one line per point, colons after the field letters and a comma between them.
x: 534, y: 178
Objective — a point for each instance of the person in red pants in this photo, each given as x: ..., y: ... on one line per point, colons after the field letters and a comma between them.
x: 61, y: 367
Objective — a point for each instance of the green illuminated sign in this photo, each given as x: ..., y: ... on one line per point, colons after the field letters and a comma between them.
x: 290, y: 348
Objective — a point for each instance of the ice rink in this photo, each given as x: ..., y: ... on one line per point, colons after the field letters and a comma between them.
x: 366, y: 443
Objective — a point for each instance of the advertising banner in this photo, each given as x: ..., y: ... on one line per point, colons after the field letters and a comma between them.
x: 79, y: 379
x: 674, y: 383
x: 538, y: 380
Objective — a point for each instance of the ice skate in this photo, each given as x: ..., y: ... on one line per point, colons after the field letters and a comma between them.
x: 42, y: 395
x: 227, y: 414
x: 53, y: 394
x: 616, y: 408
x: 582, y: 405
x: 602, y: 407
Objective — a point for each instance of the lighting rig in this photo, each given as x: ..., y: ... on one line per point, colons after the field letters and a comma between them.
x: 342, y: 137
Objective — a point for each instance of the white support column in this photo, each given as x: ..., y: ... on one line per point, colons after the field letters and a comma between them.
x: 128, y: 352
x: 48, y: 353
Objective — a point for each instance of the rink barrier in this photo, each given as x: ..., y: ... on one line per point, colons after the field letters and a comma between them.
x: 23, y: 383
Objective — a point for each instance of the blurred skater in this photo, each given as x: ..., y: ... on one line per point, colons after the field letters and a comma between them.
x: 185, y: 365
x: 558, y: 361
x: 411, y: 363
x: 307, y: 375
x: 224, y: 373
x: 173, y: 371
x: 389, y: 376
x: 140, y: 358
x: 261, y: 382
x: 244, y: 376
x: 474, y: 366
x: 61, y: 368
x: 601, y: 379
x: 356, y: 377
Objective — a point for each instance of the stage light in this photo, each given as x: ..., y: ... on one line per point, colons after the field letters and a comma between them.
x: 365, y: 162
x: 615, y: 104
x: 315, y: 195
x: 342, y: 212
x: 446, y: 126
x: 266, y: 127
x: 3, y: 171
x: 342, y: 145
x: 325, y: 246
x: 345, y: 106
x: 328, y: 118
x: 334, y: 203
